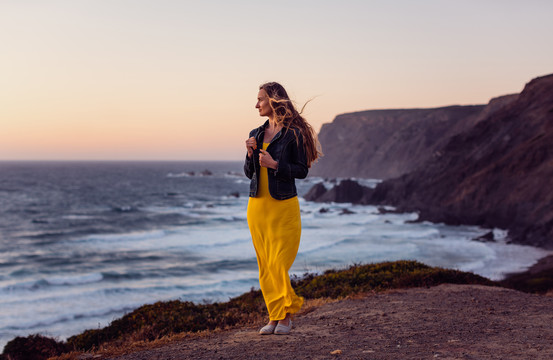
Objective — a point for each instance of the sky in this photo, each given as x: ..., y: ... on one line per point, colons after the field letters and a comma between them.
x: 178, y: 80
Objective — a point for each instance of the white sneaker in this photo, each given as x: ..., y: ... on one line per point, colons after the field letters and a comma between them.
x: 283, y: 329
x: 267, y: 329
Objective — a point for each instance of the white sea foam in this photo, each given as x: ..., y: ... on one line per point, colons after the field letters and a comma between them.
x: 179, y: 175
x: 75, y: 279
x: 78, y: 217
x: 136, y: 239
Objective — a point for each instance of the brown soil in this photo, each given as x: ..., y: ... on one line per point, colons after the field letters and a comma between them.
x: 444, y: 322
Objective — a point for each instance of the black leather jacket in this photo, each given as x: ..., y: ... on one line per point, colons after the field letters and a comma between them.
x: 288, y: 151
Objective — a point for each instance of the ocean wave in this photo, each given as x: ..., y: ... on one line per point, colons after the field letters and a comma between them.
x: 233, y: 174
x: 124, y: 209
x: 126, y: 237
x: 180, y: 175
x: 219, y: 244
x: 328, y: 246
x: 47, y: 235
x: 117, y: 276
x: 78, y: 217
x: 217, y: 266
x: 128, y: 257
x: 75, y: 279
x: 9, y: 190
x: 67, y: 280
x: 229, y: 218
x: 47, y: 322
x: 405, y: 233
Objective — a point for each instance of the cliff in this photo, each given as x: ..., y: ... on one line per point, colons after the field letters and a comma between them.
x: 384, y: 144
x: 496, y: 174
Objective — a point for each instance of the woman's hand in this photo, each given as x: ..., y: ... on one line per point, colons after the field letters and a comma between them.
x: 251, y: 145
x: 266, y: 160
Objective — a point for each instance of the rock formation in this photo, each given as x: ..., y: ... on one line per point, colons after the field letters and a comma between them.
x: 383, y: 144
x: 497, y: 174
x: 347, y: 191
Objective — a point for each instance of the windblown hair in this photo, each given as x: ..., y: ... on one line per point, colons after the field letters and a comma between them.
x: 286, y: 114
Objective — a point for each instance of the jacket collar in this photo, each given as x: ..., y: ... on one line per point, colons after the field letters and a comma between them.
x: 261, y: 130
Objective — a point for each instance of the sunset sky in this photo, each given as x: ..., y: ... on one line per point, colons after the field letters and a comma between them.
x: 178, y: 80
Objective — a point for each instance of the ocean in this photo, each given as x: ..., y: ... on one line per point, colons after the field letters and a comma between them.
x: 83, y: 243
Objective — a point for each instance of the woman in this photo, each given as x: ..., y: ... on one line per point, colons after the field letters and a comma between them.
x: 279, y: 151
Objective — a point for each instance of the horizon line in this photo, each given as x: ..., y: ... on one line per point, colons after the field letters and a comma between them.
x: 112, y: 160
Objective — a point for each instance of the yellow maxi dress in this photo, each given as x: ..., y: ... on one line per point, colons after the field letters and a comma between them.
x: 275, y: 226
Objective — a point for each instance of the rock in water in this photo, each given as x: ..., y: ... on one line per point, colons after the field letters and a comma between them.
x: 347, y: 191
x: 487, y: 237
x: 347, y: 212
x: 315, y: 192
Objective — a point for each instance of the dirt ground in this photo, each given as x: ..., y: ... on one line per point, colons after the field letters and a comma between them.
x: 443, y: 322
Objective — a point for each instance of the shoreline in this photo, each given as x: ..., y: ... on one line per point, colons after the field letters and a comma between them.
x: 332, y: 287
x: 542, y: 264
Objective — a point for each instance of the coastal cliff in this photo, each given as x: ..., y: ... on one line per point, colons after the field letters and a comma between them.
x: 384, y: 144
x: 496, y: 173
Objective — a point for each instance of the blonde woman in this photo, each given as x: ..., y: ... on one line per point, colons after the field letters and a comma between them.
x: 278, y: 152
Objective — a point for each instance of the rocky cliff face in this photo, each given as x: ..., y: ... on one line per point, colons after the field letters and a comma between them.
x: 497, y: 174
x: 384, y: 144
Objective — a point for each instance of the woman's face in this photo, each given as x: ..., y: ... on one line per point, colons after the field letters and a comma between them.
x: 263, y: 103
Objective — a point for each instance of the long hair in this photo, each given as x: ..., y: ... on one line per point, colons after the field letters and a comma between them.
x: 285, y: 113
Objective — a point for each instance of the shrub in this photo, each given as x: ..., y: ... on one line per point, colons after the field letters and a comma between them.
x: 381, y: 276
x: 164, y: 318
x: 539, y: 283
x: 33, y: 347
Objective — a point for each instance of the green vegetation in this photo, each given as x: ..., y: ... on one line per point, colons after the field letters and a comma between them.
x: 154, y: 321
x: 538, y: 283
x: 150, y: 322
x: 378, y: 277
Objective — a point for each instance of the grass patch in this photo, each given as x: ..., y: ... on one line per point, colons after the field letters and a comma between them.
x: 378, y: 277
x: 151, y: 322
x: 538, y: 283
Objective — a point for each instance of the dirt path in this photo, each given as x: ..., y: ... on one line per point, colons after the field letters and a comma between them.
x: 443, y: 322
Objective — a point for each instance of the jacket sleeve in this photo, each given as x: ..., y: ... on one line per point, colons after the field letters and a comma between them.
x: 248, y: 163
x: 293, y: 166
x: 248, y: 167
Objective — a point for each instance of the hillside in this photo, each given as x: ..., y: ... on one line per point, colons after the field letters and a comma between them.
x: 384, y: 144
x: 446, y: 321
x: 497, y: 174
